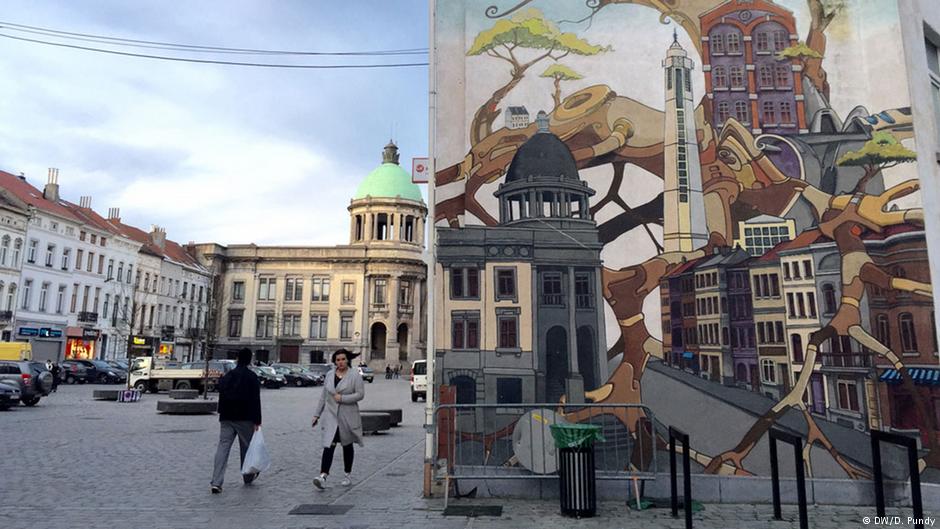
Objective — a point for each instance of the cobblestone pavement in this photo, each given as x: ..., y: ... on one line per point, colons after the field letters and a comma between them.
x: 73, y: 462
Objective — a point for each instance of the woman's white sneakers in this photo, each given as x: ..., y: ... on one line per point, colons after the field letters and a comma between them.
x: 320, y: 482
x: 346, y: 481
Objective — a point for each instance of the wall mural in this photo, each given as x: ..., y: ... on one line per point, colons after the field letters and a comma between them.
x: 708, y: 207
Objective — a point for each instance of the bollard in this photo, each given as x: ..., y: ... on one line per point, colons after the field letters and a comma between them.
x: 797, y: 443
x: 877, y: 437
x: 674, y: 435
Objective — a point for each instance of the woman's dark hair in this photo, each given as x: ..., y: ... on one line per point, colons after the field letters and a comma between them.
x: 349, y: 355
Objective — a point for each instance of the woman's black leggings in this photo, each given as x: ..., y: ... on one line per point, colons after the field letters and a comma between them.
x: 327, y: 460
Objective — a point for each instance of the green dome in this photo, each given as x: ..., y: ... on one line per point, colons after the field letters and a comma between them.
x: 389, y: 180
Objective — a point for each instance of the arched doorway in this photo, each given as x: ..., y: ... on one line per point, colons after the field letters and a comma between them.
x: 556, y: 359
x: 403, y: 342
x: 586, y: 358
x: 377, y: 341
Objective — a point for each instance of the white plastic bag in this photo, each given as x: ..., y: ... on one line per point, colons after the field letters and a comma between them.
x: 257, y: 458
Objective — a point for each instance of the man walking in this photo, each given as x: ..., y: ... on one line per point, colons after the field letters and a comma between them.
x: 239, y: 415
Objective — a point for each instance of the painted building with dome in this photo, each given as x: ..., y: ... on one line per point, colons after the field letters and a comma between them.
x: 522, y: 317
x: 301, y: 303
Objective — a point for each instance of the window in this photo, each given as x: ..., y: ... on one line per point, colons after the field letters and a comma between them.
x: 60, y: 301
x: 183, y: 318
x: 780, y: 41
x: 404, y: 293
x: 293, y: 289
x: 107, y: 302
x: 91, y: 262
x: 883, y: 330
x: 4, y: 249
x: 933, y: 66
x: 50, y: 255
x: 465, y: 330
x: 100, y: 264
x: 11, y: 296
x: 786, y: 114
x: 464, y: 283
x: 320, y: 288
x: 801, y: 304
x: 74, y: 303
x: 466, y: 389
x: 508, y: 390
x: 291, y: 326
x: 796, y: 343
x: 93, y: 239
x: 905, y: 325
x: 783, y: 76
x: 767, y: 112
x: 505, y: 283
x: 345, y: 326
x: 81, y: 235
x: 147, y: 281
x: 508, y: 335
x: 349, y: 292
x: 264, y: 326
x: 724, y: 112
x: 551, y: 289
x: 85, y: 298
x: 829, y: 299
x: 766, y: 77
x: 762, y: 42
x: 811, y: 303
x: 737, y: 76
x: 720, y: 77
x: 43, y: 296
x: 202, y: 298
x: 717, y: 44
x: 741, y: 112
x: 768, y: 371
x: 848, y: 395
x: 17, y: 247
x: 791, y: 308
x: 774, y: 285
x: 318, y: 326
x: 31, y: 251
x: 120, y: 271
x: 110, y: 268
x: 734, y: 43
x: 584, y: 291
x: 267, y: 289
x: 238, y: 291
x: 130, y: 270
x: 27, y: 288
x: 379, y: 291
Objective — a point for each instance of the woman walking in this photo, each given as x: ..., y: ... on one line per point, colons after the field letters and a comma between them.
x: 339, y: 409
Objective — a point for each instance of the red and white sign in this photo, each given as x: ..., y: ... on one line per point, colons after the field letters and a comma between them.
x: 419, y: 170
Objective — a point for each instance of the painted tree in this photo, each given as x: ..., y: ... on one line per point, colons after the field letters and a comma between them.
x: 882, y: 151
x: 560, y: 72
x: 799, y: 51
x: 527, y: 30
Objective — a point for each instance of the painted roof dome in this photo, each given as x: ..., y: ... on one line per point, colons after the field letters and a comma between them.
x: 544, y: 154
x: 389, y: 180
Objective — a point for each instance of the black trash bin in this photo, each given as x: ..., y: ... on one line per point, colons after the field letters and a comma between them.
x: 576, y: 482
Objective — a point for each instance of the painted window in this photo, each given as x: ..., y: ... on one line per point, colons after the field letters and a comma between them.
x: 829, y: 298
x: 465, y: 330
x: 781, y: 40
x: 551, y: 289
x: 505, y: 283
x: 908, y: 335
x: 768, y: 115
x: 723, y: 112
x: 768, y: 372
x: 766, y: 76
x: 737, y: 77
x: 464, y: 283
x: 786, y: 113
x: 508, y: 331
x: 583, y: 291
x: 734, y: 43
x: 933, y: 66
x: 717, y: 44
x: 762, y: 42
x: 720, y: 77
x: 740, y: 112
x: 508, y: 390
x: 848, y: 395
x: 466, y: 389
x: 784, y: 76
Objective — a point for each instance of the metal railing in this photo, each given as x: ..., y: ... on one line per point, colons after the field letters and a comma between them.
x: 877, y: 437
x: 513, y: 441
x: 797, y: 443
x: 678, y: 435
x: 852, y: 360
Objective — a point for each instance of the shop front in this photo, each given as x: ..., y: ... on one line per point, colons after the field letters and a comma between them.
x: 47, y: 340
x: 81, y: 343
x: 138, y: 346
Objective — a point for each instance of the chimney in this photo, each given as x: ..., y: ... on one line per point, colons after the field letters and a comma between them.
x: 158, y: 236
x: 84, y: 202
x: 22, y: 176
x: 114, y: 214
x: 51, y: 191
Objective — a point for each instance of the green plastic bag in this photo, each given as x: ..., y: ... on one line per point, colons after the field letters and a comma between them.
x: 576, y: 435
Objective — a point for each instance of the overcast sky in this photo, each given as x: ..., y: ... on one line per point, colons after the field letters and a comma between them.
x: 213, y: 153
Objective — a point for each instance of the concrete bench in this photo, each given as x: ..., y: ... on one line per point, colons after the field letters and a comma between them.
x: 184, y: 393
x: 106, y: 394
x: 187, y: 407
x: 373, y: 422
x: 393, y: 413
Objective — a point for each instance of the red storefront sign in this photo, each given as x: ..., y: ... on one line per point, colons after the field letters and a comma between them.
x: 79, y: 349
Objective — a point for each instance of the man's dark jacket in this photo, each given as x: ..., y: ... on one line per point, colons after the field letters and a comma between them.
x: 240, y: 396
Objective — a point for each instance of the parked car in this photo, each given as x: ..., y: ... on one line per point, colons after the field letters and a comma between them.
x: 120, y: 364
x: 366, y: 373
x: 317, y: 376
x: 32, y: 378
x: 419, y: 380
x: 9, y: 396
x: 108, y: 374
x: 295, y: 375
x: 74, y: 372
x: 268, y: 377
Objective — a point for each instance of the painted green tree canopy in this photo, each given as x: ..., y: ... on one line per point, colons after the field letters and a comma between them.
x: 882, y: 150
x: 560, y: 72
x: 799, y: 51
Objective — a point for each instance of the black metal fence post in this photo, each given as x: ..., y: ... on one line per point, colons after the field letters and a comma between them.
x: 683, y: 437
x: 797, y: 443
x: 910, y: 443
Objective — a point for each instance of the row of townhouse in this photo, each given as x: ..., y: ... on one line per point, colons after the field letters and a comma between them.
x: 745, y: 318
x: 78, y: 285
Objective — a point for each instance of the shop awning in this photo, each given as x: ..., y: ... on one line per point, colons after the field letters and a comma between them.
x: 688, y: 355
x: 920, y: 375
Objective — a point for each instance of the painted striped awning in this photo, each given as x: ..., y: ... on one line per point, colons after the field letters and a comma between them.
x: 920, y: 375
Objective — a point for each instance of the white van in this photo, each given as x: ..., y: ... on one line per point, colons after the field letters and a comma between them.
x: 419, y: 380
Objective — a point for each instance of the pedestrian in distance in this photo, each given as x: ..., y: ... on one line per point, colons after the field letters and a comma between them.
x: 339, y: 409
x: 388, y: 372
x: 239, y: 416
x: 55, y: 375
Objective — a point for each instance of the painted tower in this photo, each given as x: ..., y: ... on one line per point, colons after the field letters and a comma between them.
x: 684, y: 211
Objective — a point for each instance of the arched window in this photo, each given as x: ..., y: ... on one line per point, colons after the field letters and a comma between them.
x: 4, y: 249
x: 466, y: 389
x: 724, y: 111
x: 720, y: 77
x: 829, y: 298
x: 908, y: 335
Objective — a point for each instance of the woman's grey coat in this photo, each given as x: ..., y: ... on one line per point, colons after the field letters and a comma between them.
x: 343, y: 415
